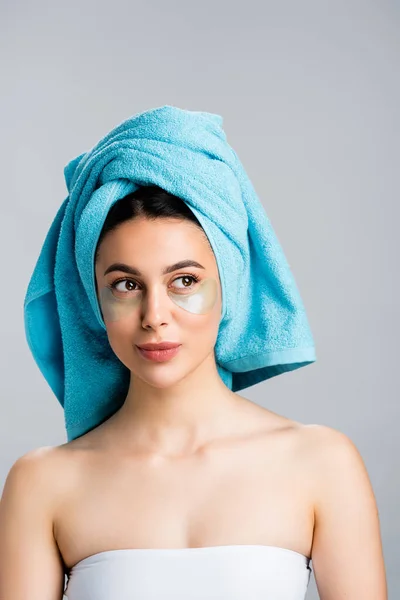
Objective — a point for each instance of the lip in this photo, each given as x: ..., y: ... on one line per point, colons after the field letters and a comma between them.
x: 158, y: 346
x: 159, y: 355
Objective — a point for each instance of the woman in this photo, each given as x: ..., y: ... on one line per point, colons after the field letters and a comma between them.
x: 188, y: 489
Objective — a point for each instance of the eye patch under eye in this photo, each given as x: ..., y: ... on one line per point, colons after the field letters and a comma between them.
x: 199, y: 301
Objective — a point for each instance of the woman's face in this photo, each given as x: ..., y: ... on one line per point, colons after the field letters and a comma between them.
x: 149, y: 306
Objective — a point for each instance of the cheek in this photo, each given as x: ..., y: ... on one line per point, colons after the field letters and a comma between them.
x: 116, y: 308
x: 201, y: 313
x: 201, y: 301
x: 200, y: 331
x: 121, y: 335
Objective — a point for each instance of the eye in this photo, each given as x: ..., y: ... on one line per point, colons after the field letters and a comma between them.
x: 124, y: 289
x: 192, y: 277
x: 113, y: 286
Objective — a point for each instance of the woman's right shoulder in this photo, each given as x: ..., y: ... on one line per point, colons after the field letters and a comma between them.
x: 38, y: 469
x: 37, y: 458
x: 30, y: 558
x: 50, y: 472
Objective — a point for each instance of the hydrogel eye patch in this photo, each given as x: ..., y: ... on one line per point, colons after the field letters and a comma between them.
x: 199, y: 301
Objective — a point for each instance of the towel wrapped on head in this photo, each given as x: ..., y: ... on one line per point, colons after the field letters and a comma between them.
x: 264, y: 330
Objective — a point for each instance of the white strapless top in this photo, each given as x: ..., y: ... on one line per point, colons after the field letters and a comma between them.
x: 232, y: 572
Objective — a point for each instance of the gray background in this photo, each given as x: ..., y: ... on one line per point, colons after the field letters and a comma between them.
x: 309, y: 93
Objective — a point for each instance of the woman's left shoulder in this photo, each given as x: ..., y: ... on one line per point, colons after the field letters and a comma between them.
x: 347, y: 546
x: 324, y: 442
x: 334, y: 463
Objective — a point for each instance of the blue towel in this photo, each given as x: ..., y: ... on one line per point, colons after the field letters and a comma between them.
x: 263, y: 330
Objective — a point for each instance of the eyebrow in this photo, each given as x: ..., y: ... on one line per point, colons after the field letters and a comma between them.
x: 170, y: 269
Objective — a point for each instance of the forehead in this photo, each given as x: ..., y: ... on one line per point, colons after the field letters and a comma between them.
x: 158, y: 241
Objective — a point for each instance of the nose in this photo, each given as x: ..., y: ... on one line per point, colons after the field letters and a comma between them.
x: 155, y: 307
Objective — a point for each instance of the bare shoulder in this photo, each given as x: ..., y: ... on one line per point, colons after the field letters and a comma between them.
x: 347, y: 549
x: 39, y: 473
x: 323, y: 442
x: 333, y: 458
x: 30, y: 468
x: 30, y: 564
x: 36, y: 461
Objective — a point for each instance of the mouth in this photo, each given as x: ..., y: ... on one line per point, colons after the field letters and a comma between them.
x: 159, y: 355
x: 158, y: 345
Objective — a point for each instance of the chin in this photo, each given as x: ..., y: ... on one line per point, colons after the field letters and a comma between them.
x: 160, y: 381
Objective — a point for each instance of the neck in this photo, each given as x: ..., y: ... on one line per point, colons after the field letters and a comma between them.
x: 179, y: 418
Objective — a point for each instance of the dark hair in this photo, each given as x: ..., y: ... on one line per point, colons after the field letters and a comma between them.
x: 149, y: 201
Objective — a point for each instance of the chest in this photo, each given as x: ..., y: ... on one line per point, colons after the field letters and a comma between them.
x: 233, y: 496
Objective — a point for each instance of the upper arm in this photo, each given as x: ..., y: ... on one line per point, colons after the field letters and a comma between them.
x: 347, y: 552
x: 30, y: 562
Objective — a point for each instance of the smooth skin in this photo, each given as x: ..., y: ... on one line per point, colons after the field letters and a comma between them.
x: 186, y: 462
